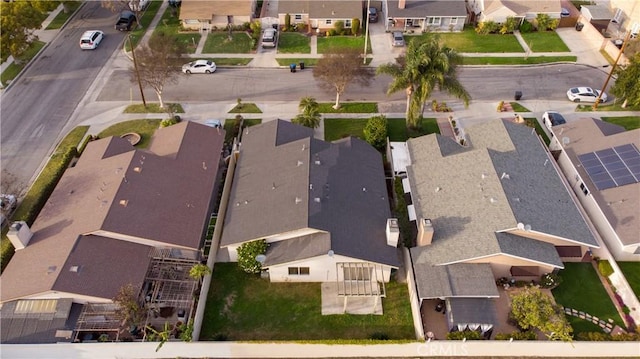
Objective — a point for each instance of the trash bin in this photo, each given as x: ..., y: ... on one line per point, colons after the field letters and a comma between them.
x: 579, y: 26
x: 292, y: 67
x: 301, y: 65
x: 518, y: 95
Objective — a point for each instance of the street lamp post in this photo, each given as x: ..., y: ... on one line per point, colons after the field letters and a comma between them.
x: 366, y: 34
x: 135, y: 66
x: 613, y: 68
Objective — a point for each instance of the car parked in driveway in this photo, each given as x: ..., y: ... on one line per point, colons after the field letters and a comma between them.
x: 373, y: 14
x: 585, y: 94
x: 552, y: 118
x: 199, y: 67
x: 125, y: 21
x: 91, y: 39
x: 397, y: 39
x: 269, y: 38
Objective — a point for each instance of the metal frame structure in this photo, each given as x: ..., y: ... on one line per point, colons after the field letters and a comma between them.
x: 98, y: 317
x: 370, y: 285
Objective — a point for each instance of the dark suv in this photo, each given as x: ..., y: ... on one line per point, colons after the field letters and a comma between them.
x: 125, y: 21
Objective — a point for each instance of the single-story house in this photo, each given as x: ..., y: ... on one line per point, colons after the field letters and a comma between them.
x: 602, y: 163
x: 425, y: 15
x: 321, y: 207
x: 598, y: 15
x: 111, y: 217
x: 499, y: 10
x: 320, y: 15
x: 496, y: 208
x: 206, y: 14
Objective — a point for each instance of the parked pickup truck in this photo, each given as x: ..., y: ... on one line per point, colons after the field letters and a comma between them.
x: 125, y: 21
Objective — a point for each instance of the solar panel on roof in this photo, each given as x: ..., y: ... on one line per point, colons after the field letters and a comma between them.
x: 612, y: 167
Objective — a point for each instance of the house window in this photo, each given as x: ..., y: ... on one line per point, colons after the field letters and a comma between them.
x: 453, y: 21
x: 298, y: 16
x: 584, y: 189
x: 357, y: 273
x: 298, y: 270
x: 433, y: 20
x: 327, y: 22
x: 347, y: 23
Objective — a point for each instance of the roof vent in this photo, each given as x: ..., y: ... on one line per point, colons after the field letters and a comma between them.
x: 74, y: 269
x: 438, y: 189
x: 298, y: 200
x: 124, y: 202
x: 493, y: 200
x: 310, y: 186
x: 484, y: 175
x: 273, y: 186
x: 504, y: 175
x: 204, y: 166
x: 318, y: 162
x: 364, y: 189
x: 304, y: 146
x: 137, y: 169
x: 51, y: 269
x: 317, y: 199
x: 300, y: 163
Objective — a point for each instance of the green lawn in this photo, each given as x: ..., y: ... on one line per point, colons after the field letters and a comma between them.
x: 244, y: 307
x: 153, y: 108
x: 62, y: 17
x: 219, y: 43
x: 170, y: 24
x: 145, y: 20
x: 293, y: 43
x: 14, y: 69
x: 230, y: 127
x: 534, y: 123
x: 582, y: 290
x: 531, y: 60
x: 337, y: 128
x: 606, y: 107
x: 631, y: 271
x: 469, y: 41
x: 246, y: 108
x: 518, y: 107
x: 628, y: 122
x: 231, y: 61
x: 349, y: 107
x: 544, y: 41
x: 145, y: 128
x: 327, y: 42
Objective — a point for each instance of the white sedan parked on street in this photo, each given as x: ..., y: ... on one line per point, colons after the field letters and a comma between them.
x: 585, y: 94
x: 199, y: 67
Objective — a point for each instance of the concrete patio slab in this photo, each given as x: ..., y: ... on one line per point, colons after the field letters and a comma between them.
x: 333, y: 304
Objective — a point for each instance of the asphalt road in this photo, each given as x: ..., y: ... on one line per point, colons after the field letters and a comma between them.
x: 549, y: 82
x: 36, y: 107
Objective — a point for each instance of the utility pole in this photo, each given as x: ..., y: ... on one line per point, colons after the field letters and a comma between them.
x: 366, y: 34
x: 135, y: 66
x: 613, y: 68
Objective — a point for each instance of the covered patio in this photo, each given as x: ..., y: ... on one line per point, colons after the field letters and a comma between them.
x: 358, y: 289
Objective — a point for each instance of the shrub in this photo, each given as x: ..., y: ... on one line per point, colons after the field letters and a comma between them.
x: 625, y: 337
x: 500, y: 105
x: 168, y: 122
x: 550, y: 280
x: 604, y: 267
x: 332, y: 32
x: 355, y: 26
x: 509, y: 26
x: 287, y: 22
x: 468, y: 334
x: 339, y: 27
x: 594, y: 336
x: 247, y: 253
x: 375, y: 131
x: 526, y: 27
x: 517, y: 335
x: 256, y: 29
x: 487, y: 27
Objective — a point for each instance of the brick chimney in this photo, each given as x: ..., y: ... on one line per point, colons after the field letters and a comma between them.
x: 401, y: 4
x: 425, y: 232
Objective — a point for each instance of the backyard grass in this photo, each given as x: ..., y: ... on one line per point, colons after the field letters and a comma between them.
x: 631, y: 271
x: 145, y: 20
x: 246, y: 108
x: 349, y: 107
x: 518, y: 107
x: 219, y: 43
x: 337, y: 128
x: 12, y: 71
x: 582, y: 290
x: 628, y: 122
x: 356, y: 42
x: 469, y: 41
x: 244, y: 307
x: 606, y: 107
x: 153, y: 108
x: 62, y: 17
x: 544, y: 41
x: 293, y: 43
x: 145, y: 128
x: 531, y: 60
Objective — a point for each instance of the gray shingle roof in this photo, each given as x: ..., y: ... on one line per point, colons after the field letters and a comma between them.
x: 454, y: 280
x: 425, y: 8
x: 529, y: 248
x: 322, y: 9
x: 19, y: 328
x: 285, y: 180
x: 304, y: 247
x: 468, y: 200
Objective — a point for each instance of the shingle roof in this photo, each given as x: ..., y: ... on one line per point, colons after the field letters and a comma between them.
x: 424, y: 8
x: 206, y: 9
x: 121, y: 192
x: 468, y: 208
x: 23, y: 328
x: 522, y: 7
x: 322, y: 9
x: 337, y: 188
x: 304, y: 247
x: 473, y: 311
x: 454, y: 280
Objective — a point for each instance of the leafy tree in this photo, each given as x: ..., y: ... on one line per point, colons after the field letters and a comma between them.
x: 355, y: 26
x: 198, y: 271
x: 533, y: 309
x: 247, y: 253
x: 18, y: 20
x: 309, y: 115
x: 157, y: 62
x: 340, y: 67
x: 375, y: 131
x: 626, y: 86
x: 129, y: 310
x: 426, y: 67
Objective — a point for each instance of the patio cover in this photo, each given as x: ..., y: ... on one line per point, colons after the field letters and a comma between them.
x: 471, y: 313
x: 400, y: 155
x: 462, y: 280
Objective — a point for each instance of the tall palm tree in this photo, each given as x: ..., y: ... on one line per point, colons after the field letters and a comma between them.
x: 309, y: 115
x: 427, y: 66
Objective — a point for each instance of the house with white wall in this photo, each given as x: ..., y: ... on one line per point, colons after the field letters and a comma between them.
x: 425, y: 15
x: 207, y: 14
x: 320, y: 15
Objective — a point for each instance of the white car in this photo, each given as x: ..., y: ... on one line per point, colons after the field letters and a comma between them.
x: 269, y: 38
x: 199, y: 67
x: 585, y: 94
x: 552, y: 118
x: 91, y: 39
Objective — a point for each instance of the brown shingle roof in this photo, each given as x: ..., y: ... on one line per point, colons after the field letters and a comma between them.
x: 206, y: 9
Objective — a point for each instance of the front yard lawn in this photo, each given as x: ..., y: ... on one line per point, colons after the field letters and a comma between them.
x: 293, y: 43
x: 606, y: 107
x: 349, y: 107
x: 170, y: 24
x: 531, y: 60
x: 241, y: 306
x: 219, y: 43
x: 337, y: 128
x: 544, y: 41
x: 327, y: 42
x: 62, y: 17
x: 248, y: 107
x: 582, y: 290
x: 631, y: 271
x: 469, y: 41
x: 145, y: 128
x: 145, y: 20
x: 628, y: 122
x: 153, y: 107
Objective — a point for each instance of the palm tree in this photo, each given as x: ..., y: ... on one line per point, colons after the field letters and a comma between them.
x: 426, y: 66
x: 309, y: 115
